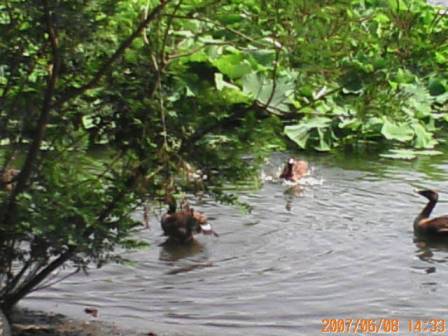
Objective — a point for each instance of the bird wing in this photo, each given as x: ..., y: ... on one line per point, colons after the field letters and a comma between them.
x: 436, y: 225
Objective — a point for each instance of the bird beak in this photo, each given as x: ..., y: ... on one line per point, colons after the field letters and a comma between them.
x: 207, y: 230
x: 206, y: 227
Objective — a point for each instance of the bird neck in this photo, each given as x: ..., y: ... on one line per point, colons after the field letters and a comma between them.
x: 172, y: 207
x: 287, y: 172
x: 426, y: 212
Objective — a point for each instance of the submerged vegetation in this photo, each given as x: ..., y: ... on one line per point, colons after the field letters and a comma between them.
x: 186, y: 96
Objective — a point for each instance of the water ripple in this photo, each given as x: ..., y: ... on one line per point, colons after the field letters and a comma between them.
x: 338, y: 246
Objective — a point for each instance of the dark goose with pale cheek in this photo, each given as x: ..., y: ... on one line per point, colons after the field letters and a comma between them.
x: 437, y: 226
x: 294, y: 170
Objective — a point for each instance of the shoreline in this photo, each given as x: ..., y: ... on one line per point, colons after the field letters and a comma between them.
x: 26, y: 322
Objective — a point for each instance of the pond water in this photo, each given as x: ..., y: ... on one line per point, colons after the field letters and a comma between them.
x: 342, y: 247
x: 439, y: 2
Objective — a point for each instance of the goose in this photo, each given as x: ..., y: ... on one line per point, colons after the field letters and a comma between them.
x: 180, y: 225
x: 437, y: 226
x: 294, y: 170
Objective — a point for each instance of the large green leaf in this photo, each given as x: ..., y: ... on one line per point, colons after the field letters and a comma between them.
x: 423, y: 138
x: 276, y: 98
x: 231, y: 93
x: 264, y: 57
x: 419, y: 100
x: 233, y: 65
x: 301, y: 133
x: 397, y: 131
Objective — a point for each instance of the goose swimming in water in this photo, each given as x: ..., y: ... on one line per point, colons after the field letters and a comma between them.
x: 437, y: 226
x: 294, y: 170
x: 181, y: 225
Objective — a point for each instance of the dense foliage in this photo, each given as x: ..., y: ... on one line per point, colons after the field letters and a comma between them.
x: 187, y: 96
x: 382, y: 75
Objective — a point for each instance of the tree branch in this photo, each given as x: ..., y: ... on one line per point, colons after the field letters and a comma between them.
x: 15, y: 297
x: 218, y: 24
x: 104, y: 69
x: 53, y: 73
x: 276, y: 60
x: 165, y: 35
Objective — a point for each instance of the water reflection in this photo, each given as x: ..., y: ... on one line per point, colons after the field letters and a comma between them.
x: 171, y: 250
x: 291, y: 193
x: 428, y: 249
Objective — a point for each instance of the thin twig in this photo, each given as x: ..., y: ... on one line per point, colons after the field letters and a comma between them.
x: 165, y: 35
x: 276, y: 60
x: 105, y: 68
x: 218, y: 24
x: 49, y: 284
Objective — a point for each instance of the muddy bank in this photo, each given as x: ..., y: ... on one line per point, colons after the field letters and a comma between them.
x: 27, y: 323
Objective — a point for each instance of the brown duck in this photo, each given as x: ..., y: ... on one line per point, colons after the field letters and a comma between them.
x: 294, y: 170
x: 437, y: 226
x: 181, y: 225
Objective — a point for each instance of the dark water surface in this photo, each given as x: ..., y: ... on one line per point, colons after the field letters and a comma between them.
x: 344, y: 249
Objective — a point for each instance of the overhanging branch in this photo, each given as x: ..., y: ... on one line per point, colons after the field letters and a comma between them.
x: 104, y: 69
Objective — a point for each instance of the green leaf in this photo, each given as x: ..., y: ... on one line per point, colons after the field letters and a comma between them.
x: 436, y: 87
x: 323, y: 144
x: 440, y: 58
x: 423, y: 138
x: 221, y: 83
x: 318, y: 122
x: 404, y: 76
x: 442, y: 99
x: 231, y: 93
x: 381, y: 18
x: 230, y: 18
x: 397, y: 5
x: 233, y: 65
x: 88, y: 121
x: 263, y: 90
x: 263, y: 56
x: 199, y: 56
x: 397, y: 131
x: 350, y: 123
x: 299, y: 134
